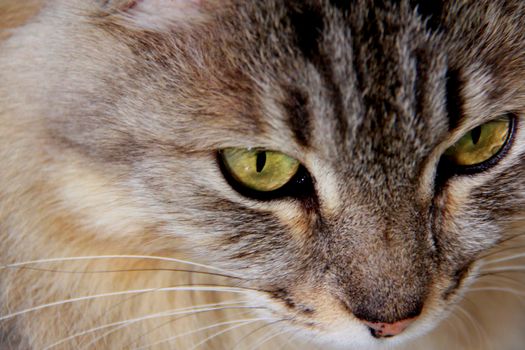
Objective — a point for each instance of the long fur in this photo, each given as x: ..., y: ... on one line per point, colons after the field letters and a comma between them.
x: 111, y: 116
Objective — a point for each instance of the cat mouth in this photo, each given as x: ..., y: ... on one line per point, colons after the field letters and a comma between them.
x: 310, y: 318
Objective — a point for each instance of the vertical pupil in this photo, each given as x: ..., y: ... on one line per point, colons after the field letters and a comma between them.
x: 261, y: 161
x: 476, y: 133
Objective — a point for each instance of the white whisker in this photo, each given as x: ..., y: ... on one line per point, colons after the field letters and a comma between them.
x: 480, y: 332
x: 135, y: 340
x: 127, y: 292
x: 214, y: 335
x: 257, y: 330
x: 175, y: 320
x: 290, y: 341
x: 101, y: 257
x: 173, y: 312
x: 249, y: 320
x: 125, y: 323
x: 504, y: 269
x: 504, y: 259
x: 498, y: 289
x: 455, y: 326
x: 267, y: 338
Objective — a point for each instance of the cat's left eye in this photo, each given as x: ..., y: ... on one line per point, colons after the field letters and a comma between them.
x: 259, y: 170
x: 481, y: 145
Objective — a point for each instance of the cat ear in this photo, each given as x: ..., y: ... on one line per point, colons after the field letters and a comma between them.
x: 160, y: 14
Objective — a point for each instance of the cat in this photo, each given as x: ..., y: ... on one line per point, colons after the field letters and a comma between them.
x: 243, y: 174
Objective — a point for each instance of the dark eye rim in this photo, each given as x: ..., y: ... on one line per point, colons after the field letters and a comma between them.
x: 447, y: 169
x: 300, y: 186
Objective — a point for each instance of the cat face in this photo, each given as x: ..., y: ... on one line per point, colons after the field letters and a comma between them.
x: 379, y: 223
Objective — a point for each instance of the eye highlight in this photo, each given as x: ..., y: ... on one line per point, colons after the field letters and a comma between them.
x: 481, y: 145
x: 259, y: 170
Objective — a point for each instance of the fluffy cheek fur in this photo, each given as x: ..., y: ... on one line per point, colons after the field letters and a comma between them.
x: 176, y: 203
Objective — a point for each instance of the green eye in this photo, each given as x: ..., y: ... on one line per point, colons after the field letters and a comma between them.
x: 481, y: 143
x: 259, y: 170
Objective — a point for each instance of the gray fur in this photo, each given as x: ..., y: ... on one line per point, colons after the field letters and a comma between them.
x: 383, y: 239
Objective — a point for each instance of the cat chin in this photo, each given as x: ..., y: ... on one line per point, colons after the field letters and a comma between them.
x: 358, y: 338
x: 348, y: 333
x: 351, y: 334
x: 354, y: 339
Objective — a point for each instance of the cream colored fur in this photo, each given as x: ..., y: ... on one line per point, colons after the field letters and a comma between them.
x: 50, y: 207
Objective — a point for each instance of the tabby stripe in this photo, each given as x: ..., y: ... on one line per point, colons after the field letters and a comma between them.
x: 430, y: 11
x: 299, y: 115
x: 454, y: 100
x: 308, y: 24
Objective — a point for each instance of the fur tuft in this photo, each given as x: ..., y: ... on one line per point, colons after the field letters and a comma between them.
x: 160, y: 15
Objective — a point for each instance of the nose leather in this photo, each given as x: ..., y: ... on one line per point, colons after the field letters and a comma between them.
x: 383, y: 330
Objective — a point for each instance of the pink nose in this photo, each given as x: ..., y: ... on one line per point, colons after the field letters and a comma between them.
x: 384, y: 330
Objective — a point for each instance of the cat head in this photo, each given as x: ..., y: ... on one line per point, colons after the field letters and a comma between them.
x: 319, y: 149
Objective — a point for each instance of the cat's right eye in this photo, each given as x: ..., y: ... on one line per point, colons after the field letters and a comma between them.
x: 259, y: 170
